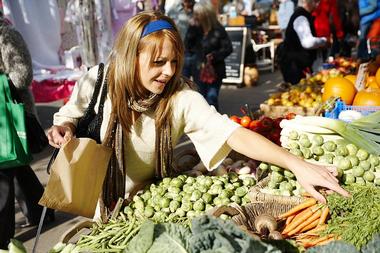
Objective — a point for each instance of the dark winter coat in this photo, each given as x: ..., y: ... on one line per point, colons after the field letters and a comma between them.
x: 215, y: 42
x: 16, y: 62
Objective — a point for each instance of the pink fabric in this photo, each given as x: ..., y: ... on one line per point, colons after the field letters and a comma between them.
x: 51, y: 90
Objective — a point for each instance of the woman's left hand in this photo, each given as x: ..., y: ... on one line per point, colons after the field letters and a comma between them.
x: 311, y: 175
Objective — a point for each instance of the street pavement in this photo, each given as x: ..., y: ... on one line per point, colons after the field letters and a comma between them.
x: 231, y: 99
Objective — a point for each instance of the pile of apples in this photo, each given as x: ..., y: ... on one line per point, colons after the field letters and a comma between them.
x: 308, y: 96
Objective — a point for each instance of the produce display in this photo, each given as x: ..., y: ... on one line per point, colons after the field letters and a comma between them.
x: 344, y: 88
x: 184, y: 196
x: 174, y: 214
x: 282, y: 182
x: 355, y: 164
x: 176, y: 199
x: 305, y: 222
x: 307, y: 95
x: 266, y: 126
x: 355, y: 219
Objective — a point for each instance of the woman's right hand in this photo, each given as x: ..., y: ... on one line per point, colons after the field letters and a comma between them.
x: 59, y: 135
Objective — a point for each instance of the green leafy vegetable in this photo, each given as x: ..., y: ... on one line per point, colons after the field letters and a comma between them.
x: 355, y: 219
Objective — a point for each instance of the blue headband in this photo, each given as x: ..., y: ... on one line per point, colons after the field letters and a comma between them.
x: 156, y: 25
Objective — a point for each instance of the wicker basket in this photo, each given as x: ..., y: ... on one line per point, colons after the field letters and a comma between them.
x: 256, y: 196
x: 261, y: 203
x: 245, y: 216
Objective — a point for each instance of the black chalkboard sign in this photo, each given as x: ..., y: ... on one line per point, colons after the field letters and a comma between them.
x: 235, y: 61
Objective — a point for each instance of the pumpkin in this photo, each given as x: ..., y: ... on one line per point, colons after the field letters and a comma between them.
x: 367, y: 97
x: 339, y: 87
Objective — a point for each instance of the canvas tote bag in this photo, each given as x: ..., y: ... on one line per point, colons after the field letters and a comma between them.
x: 80, y: 166
x: 14, y: 149
x: 77, y: 176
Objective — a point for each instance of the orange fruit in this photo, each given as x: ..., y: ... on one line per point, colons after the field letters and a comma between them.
x: 352, y: 78
x: 371, y: 79
x: 377, y: 76
x: 372, y: 84
x: 339, y: 87
x: 368, y: 97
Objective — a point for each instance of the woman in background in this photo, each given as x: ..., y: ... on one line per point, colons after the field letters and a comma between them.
x: 208, y: 39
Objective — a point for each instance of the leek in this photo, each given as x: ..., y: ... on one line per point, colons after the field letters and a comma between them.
x: 357, y: 132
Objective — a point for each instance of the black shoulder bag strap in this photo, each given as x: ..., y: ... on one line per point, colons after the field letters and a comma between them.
x: 89, y: 125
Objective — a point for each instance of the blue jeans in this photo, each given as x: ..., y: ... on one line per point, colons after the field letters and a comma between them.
x: 211, y: 92
x: 190, y: 68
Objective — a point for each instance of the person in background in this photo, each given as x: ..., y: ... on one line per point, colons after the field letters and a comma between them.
x: 298, y: 51
x: 285, y: 11
x: 20, y: 182
x: 349, y: 14
x: 209, y: 41
x: 148, y: 99
x: 182, y: 14
x: 369, y: 11
x: 328, y: 24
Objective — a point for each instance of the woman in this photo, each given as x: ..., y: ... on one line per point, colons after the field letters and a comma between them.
x: 149, y: 100
x: 208, y: 40
x: 298, y: 52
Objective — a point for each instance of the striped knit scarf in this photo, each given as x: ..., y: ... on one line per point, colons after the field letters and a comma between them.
x: 114, y: 183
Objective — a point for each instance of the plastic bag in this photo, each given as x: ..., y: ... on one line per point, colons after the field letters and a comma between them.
x: 207, y: 73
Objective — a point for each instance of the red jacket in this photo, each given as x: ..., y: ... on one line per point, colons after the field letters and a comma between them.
x: 327, y: 10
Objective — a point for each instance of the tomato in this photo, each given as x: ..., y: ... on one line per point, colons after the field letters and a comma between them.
x: 267, y: 123
x: 235, y: 119
x: 255, y: 125
x: 245, y: 120
x: 275, y: 135
x: 277, y: 121
x: 290, y: 115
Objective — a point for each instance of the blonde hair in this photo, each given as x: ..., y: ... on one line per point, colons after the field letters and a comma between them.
x: 123, y: 76
x: 207, y: 15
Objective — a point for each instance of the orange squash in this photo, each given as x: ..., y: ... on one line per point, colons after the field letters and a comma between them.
x: 368, y: 97
x: 339, y: 87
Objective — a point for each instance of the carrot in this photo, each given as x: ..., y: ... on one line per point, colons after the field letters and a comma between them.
x: 325, y: 213
x: 305, y: 215
x: 313, y: 217
x: 289, y: 219
x: 316, y: 230
x: 309, y: 202
x: 310, y: 226
x: 321, y: 239
x: 325, y: 241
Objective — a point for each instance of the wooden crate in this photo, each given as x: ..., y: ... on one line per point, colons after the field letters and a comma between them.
x: 275, y: 111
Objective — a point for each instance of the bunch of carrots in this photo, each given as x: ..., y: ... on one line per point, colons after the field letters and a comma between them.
x: 305, y: 222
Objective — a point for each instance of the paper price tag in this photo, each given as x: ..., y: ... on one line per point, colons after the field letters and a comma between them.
x: 361, y: 76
